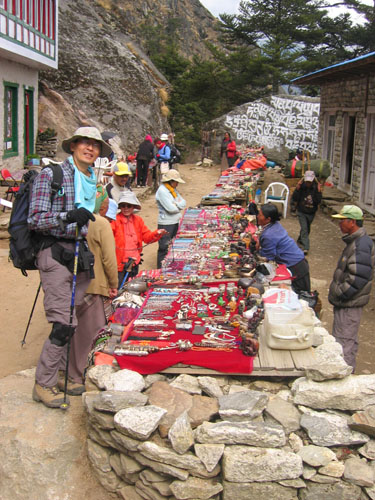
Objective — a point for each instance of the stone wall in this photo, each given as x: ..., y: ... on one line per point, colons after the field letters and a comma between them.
x: 352, y: 96
x: 224, y: 437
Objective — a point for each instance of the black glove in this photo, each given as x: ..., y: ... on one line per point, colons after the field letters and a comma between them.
x: 79, y: 215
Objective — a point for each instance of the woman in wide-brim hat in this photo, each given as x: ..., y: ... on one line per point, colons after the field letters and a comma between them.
x: 130, y: 233
x: 170, y: 204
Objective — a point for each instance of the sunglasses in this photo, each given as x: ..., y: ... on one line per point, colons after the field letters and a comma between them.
x: 126, y: 205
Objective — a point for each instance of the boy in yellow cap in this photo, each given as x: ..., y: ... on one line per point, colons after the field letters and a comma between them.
x: 120, y: 181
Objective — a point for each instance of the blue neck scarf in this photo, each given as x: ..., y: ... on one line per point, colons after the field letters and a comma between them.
x: 84, y: 188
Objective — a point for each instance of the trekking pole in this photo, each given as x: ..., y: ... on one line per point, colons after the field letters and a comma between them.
x: 128, y: 268
x: 23, y: 341
x: 64, y: 405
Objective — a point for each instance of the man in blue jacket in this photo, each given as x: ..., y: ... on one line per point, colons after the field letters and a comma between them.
x: 350, y: 289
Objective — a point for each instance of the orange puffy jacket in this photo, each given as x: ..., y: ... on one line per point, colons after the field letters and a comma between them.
x: 142, y: 232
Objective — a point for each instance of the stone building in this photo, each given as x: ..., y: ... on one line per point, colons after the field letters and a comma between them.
x: 28, y: 43
x: 347, y: 125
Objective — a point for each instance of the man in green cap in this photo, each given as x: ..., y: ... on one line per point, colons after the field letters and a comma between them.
x: 350, y: 289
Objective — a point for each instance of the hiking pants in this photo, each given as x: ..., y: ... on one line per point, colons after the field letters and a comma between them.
x: 165, y: 240
x: 301, y: 276
x: 56, y: 281
x: 142, y: 172
x: 346, y: 322
x: 305, y: 221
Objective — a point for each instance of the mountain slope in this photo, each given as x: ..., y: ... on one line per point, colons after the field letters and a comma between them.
x: 104, y: 76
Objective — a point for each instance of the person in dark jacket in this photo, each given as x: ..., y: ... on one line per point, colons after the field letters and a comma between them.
x: 275, y: 244
x: 144, y: 155
x: 306, y: 199
x: 350, y: 288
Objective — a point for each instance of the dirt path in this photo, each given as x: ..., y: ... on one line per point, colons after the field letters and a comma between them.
x: 18, y: 292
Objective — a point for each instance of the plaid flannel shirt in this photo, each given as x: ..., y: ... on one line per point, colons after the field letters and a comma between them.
x: 45, y: 214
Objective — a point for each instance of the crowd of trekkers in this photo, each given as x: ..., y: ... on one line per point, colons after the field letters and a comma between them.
x: 90, y: 242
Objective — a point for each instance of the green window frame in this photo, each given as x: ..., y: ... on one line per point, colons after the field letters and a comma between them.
x: 10, y: 119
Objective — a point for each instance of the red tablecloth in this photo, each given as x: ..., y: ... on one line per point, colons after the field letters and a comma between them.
x: 227, y: 362
x: 231, y: 360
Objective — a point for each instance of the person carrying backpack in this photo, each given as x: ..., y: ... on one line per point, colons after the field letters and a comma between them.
x: 57, y: 220
x: 306, y: 199
x: 164, y: 151
x: 174, y: 153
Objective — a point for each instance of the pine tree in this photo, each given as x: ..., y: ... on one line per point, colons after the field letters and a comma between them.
x: 288, y: 36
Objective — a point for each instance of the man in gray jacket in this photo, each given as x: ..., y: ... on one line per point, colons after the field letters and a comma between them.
x: 350, y: 289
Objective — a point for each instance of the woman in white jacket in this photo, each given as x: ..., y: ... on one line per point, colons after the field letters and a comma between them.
x: 170, y: 204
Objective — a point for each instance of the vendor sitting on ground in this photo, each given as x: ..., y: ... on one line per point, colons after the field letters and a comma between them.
x: 130, y: 232
x: 121, y: 179
x: 275, y: 244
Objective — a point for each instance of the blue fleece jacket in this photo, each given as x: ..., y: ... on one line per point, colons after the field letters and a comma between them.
x: 277, y: 245
x: 169, y: 207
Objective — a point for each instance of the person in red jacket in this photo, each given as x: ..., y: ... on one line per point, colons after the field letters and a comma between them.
x: 130, y: 233
x: 228, y: 147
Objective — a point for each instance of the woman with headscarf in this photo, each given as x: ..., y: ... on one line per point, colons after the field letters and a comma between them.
x: 170, y: 204
x: 275, y: 244
x: 130, y: 233
x: 90, y: 314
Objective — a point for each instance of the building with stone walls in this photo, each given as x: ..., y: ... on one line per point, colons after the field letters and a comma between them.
x: 28, y: 43
x: 347, y: 125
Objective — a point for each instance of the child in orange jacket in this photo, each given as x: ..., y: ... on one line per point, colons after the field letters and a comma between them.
x: 130, y: 233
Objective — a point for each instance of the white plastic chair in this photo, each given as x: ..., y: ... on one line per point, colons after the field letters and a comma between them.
x: 101, y: 165
x: 277, y: 192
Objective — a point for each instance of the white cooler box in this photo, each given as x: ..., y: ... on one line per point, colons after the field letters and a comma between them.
x: 289, y: 329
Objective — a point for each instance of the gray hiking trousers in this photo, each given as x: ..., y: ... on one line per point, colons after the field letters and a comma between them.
x: 346, y: 322
x: 57, y: 286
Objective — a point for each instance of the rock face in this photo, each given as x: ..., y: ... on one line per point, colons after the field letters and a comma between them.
x: 279, y: 123
x: 42, y: 451
x: 105, y: 77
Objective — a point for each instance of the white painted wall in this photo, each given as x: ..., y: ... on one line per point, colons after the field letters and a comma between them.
x: 23, y: 76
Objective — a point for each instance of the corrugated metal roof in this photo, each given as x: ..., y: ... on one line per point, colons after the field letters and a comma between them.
x: 352, y: 67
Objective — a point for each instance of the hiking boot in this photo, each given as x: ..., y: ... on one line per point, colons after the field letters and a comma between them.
x: 73, y: 388
x: 49, y: 396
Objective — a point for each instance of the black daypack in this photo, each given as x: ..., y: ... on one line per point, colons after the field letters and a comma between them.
x: 175, y: 154
x: 24, y: 244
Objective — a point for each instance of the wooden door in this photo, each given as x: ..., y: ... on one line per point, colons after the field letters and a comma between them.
x: 369, y: 175
x: 29, y: 121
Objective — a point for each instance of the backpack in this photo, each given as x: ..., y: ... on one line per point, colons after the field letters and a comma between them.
x: 175, y: 154
x: 24, y: 244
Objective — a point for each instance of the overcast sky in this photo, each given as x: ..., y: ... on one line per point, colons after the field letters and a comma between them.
x: 217, y: 7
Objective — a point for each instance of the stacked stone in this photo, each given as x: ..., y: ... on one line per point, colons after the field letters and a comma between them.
x: 46, y: 148
x: 201, y: 437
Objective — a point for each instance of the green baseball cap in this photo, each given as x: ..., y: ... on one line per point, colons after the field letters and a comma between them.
x: 349, y: 212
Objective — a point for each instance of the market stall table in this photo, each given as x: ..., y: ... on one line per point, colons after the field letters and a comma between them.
x: 268, y: 363
x: 190, y: 325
